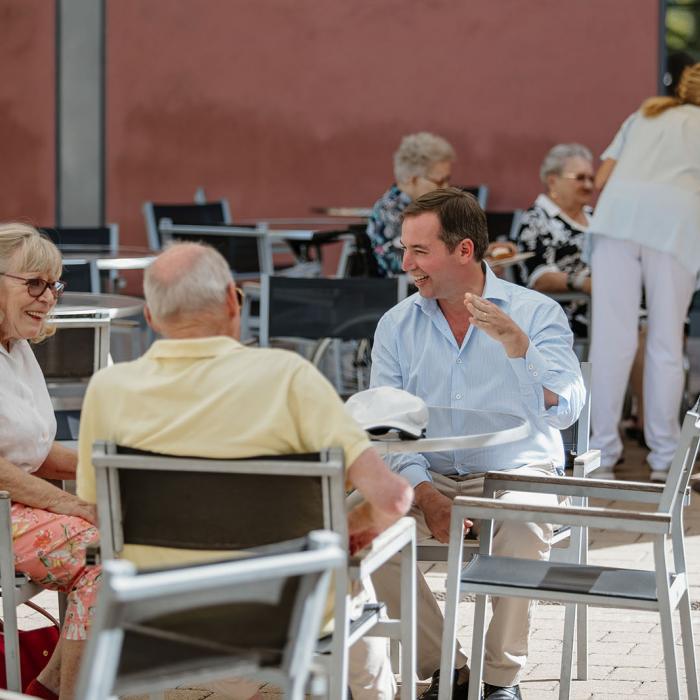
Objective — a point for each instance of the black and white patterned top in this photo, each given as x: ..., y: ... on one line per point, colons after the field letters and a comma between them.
x: 556, y: 241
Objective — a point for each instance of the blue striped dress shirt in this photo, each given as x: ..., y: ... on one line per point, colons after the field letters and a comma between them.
x: 414, y: 349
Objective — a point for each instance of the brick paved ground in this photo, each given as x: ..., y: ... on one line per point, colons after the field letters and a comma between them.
x: 625, y: 653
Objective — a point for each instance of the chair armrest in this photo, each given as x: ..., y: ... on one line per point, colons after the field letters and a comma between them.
x: 639, y: 491
x: 604, y: 518
x: 587, y: 462
x: 382, y: 548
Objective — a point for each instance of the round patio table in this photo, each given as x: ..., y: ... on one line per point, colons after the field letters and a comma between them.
x: 457, y: 429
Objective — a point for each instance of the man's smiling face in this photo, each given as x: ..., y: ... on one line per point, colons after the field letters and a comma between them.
x: 435, y: 270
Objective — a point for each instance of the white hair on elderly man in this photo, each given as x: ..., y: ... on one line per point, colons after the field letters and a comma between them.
x: 194, y: 285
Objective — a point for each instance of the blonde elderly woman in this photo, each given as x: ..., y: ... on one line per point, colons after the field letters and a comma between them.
x: 422, y: 163
x: 553, y: 228
x: 50, y: 528
x: 646, y: 235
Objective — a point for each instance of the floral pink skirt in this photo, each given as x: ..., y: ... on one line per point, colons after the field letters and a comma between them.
x: 50, y: 549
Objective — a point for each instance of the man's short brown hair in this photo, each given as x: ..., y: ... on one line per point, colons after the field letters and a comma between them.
x: 460, y: 217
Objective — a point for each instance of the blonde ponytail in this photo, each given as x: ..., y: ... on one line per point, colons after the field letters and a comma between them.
x: 688, y: 93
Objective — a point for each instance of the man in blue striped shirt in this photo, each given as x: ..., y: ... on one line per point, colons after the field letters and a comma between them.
x: 471, y: 340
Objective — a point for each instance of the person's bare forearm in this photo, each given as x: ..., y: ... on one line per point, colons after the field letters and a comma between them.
x: 29, y: 489
x: 60, y: 463
x: 35, y: 492
x: 379, y: 486
x: 604, y: 172
x: 551, y: 282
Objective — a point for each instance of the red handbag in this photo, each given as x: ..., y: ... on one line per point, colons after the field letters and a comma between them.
x: 35, y: 648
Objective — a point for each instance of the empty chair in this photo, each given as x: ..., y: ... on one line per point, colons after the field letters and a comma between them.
x: 84, y: 237
x: 257, y: 616
x: 327, y: 310
x: 81, y: 275
x: 481, y: 192
x: 503, y: 225
x: 217, y: 212
x: 246, y: 248
x: 68, y: 359
x: 664, y: 589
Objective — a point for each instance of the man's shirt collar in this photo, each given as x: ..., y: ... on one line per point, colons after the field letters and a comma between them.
x: 494, y: 289
x: 193, y: 348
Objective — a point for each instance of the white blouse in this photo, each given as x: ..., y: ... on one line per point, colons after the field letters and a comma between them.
x: 27, y: 421
x: 653, y: 195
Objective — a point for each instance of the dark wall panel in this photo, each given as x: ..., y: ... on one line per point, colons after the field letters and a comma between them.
x: 285, y: 104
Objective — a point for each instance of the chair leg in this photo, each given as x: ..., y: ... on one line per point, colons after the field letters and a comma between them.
x: 338, y: 681
x: 567, y: 651
x: 582, y: 642
x: 691, y: 670
x: 582, y: 619
x: 666, y: 615
x: 476, y: 670
x: 408, y: 621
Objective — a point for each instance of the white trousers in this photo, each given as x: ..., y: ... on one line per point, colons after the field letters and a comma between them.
x: 508, y: 632
x: 619, y: 271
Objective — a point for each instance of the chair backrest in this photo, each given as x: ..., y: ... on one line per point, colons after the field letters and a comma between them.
x: 359, y: 260
x: 214, y: 504
x: 254, y: 616
x: 481, y: 192
x: 682, y: 465
x: 79, y: 347
x: 190, y: 213
x: 246, y: 249
x: 576, y: 436
x: 81, y: 275
x: 84, y: 237
x: 503, y: 225
x: 68, y: 359
x: 348, y: 308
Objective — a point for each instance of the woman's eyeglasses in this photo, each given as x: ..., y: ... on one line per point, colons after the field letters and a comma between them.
x: 37, y: 286
x: 442, y: 182
x: 579, y: 177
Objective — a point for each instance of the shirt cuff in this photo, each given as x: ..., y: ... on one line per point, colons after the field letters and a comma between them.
x: 529, y: 369
x: 415, y: 474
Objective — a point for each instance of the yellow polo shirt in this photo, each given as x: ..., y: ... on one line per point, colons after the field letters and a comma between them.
x: 211, y: 397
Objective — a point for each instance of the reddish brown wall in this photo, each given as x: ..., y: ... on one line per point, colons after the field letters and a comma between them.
x: 27, y: 135
x: 284, y: 104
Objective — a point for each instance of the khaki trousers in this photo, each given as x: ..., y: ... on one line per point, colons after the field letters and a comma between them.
x: 508, y: 631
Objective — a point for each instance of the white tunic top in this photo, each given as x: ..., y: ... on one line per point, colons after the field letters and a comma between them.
x: 653, y: 194
x: 27, y: 421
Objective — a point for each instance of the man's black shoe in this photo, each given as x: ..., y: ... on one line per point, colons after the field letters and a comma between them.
x: 494, y: 692
x: 459, y: 692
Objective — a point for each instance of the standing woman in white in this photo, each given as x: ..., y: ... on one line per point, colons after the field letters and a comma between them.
x: 646, y: 234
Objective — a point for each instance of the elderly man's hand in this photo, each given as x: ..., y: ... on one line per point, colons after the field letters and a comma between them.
x: 437, y: 511
x: 364, y: 524
x: 488, y: 317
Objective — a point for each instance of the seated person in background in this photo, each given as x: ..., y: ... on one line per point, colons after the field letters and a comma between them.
x: 483, y: 344
x: 200, y: 392
x: 422, y: 163
x: 50, y: 528
x: 553, y: 229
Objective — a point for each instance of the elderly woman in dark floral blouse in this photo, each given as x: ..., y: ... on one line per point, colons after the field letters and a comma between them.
x: 553, y: 229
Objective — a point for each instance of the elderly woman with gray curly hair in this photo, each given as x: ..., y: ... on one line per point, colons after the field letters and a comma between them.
x: 422, y: 163
x: 51, y: 529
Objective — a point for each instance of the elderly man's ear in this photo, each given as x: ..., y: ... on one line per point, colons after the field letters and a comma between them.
x: 232, y: 303
x: 149, y: 319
